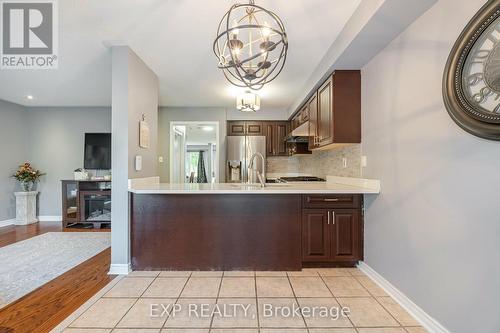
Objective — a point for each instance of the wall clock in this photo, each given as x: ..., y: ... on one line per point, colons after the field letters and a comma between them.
x: 471, y: 83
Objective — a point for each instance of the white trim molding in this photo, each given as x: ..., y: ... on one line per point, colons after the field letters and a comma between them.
x: 120, y: 269
x: 6, y: 223
x: 429, y: 323
x: 41, y: 218
x: 49, y: 218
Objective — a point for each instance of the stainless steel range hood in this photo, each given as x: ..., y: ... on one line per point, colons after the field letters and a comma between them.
x: 300, y: 134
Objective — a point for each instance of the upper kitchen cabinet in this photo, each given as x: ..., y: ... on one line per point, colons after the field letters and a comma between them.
x: 335, y: 111
x: 239, y: 128
x: 312, y: 107
x: 274, y: 131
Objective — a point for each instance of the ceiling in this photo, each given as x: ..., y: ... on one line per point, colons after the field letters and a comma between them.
x: 175, y: 39
x: 199, y: 134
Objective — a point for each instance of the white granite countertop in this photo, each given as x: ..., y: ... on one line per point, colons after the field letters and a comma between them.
x: 334, y: 185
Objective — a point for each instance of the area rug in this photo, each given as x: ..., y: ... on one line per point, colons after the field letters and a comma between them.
x: 27, y: 265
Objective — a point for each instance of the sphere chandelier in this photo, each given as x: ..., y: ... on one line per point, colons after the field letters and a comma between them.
x: 251, y: 45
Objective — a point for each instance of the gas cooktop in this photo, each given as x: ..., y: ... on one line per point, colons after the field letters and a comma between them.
x: 300, y: 179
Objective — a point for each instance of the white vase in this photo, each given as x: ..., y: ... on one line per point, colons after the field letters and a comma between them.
x: 27, y: 186
x: 26, y: 207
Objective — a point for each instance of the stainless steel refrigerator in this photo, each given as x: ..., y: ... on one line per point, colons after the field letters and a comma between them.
x: 239, y: 151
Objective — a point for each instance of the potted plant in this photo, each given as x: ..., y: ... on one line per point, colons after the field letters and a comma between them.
x: 27, y: 176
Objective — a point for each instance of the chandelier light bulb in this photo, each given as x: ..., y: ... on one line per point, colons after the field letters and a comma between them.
x: 266, y: 31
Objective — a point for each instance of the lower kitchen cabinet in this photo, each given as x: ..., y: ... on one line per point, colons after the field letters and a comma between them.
x: 332, y: 235
x: 345, y: 235
x: 316, y: 240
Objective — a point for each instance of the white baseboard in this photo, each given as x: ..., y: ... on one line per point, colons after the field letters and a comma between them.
x: 119, y: 269
x: 49, y: 218
x: 429, y: 323
x: 41, y: 218
x: 6, y: 223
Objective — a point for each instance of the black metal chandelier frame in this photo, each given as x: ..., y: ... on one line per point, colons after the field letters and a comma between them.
x: 234, y: 69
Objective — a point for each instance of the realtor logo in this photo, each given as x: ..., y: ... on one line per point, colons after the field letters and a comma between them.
x: 29, y: 34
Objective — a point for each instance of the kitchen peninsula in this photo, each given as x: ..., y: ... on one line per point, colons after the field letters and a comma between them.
x: 248, y: 227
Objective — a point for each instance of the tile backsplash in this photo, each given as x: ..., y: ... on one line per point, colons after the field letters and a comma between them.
x: 320, y: 163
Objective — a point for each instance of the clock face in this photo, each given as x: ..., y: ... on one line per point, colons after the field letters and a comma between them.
x: 481, y: 74
x: 471, y: 80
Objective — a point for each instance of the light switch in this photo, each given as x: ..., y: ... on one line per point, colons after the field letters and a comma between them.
x: 138, y: 163
x: 344, y: 162
x: 160, y: 159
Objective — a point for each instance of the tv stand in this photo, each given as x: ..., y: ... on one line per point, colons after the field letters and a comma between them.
x: 86, y: 203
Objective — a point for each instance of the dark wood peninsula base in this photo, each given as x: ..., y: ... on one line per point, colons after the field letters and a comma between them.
x: 215, y: 232
x: 245, y: 231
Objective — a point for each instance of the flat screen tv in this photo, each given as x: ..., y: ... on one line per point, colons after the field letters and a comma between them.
x: 97, y: 151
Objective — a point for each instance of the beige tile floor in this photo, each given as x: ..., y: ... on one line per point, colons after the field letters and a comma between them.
x: 127, y: 306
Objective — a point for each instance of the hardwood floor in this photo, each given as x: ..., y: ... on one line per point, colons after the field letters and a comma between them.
x: 45, y: 307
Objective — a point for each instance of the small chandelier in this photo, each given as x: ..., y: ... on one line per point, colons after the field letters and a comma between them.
x: 251, y: 45
x: 248, y: 102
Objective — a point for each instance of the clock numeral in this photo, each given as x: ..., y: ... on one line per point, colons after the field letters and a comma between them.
x: 492, y: 37
x: 482, y: 95
x: 475, y: 78
x: 497, y: 109
x: 480, y: 56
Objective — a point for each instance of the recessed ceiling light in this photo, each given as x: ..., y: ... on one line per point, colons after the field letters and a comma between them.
x: 30, y: 97
x: 207, y: 128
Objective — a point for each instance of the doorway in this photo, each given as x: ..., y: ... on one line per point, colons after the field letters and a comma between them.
x: 194, y: 152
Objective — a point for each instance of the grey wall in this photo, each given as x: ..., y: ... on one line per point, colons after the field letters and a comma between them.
x: 142, y: 100
x: 134, y: 92
x: 56, y: 144
x: 167, y: 115
x: 434, y: 231
x: 13, y: 151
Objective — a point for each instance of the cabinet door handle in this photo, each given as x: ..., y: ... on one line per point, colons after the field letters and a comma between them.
x: 333, y: 217
x: 328, y: 214
x: 331, y: 200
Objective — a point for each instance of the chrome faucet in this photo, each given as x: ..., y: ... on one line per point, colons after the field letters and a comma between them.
x: 261, y: 177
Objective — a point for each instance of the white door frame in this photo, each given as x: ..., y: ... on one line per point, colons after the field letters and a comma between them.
x: 187, y: 123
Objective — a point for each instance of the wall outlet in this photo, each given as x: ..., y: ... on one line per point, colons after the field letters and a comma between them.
x: 160, y: 159
x: 344, y: 162
x: 364, y: 161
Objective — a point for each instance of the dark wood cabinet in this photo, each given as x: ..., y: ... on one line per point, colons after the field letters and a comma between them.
x: 86, y: 202
x: 345, y: 235
x: 240, y: 128
x: 315, y: 235
x: 334, y: 110
x: 274, y: 131
x: 254, y: 128
x: 247, y: 231
x: 270, y: 133
x: 332, y: 231
x: 236, y: 128
x: 325, y: 115
x: 282, y: 129
x: 312, y: 107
